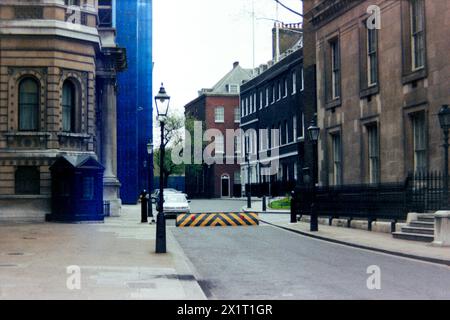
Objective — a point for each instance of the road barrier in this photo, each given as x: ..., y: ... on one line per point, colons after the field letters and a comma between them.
x: 223, y: 219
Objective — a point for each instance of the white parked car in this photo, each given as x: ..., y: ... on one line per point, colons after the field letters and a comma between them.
x: 175, y: 203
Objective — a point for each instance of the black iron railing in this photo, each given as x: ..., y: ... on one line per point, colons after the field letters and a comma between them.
x: 421, y: 192
x: 425, y: 191
x: 273, y: 189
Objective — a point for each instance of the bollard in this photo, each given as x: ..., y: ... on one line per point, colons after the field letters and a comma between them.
x: 144, y: 206
x: 293, y: 208
x: 150, y: 208
x: 264, y: 205
x: 293, y: 212
x: 314, y: 224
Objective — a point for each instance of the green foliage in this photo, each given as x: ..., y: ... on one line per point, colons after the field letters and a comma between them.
x: 284, y: 203
x: 189, y: 124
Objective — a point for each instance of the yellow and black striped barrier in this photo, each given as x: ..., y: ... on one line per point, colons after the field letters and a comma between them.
x: 223, y: 219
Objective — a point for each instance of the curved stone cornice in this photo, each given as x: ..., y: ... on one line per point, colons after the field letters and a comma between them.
x: 49, y: 28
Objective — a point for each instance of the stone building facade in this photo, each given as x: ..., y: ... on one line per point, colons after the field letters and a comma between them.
x: 378, y: 90
x: 57, y: 97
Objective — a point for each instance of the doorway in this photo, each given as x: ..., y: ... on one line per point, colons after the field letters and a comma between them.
x: 225, y: 190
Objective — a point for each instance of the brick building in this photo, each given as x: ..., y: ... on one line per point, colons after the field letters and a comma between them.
x: 378, y: 90
x: 57, y: 98
x: 217, y: 108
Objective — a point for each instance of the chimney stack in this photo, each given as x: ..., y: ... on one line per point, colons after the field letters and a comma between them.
x: 235, y: 64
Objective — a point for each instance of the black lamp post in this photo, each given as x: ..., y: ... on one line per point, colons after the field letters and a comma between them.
x: 313, y: 135
x: 150, y: 180
x: 444, y: 121
x: 249, y: 184
x: 162, y: 101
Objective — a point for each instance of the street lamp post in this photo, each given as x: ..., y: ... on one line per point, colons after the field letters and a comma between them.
x: 313, y: 135
x: 247, y: 158
x: 150, y: 180
x: 444, y: 121
x: 162, y: 101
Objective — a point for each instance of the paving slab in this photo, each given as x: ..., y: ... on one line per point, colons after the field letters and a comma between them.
x: 116, y: 260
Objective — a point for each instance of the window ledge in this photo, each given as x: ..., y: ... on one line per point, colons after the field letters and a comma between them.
x: 28, y: 134
x: 364, y: 93
x: 73, y: 135
x: 24, y: 196
x: 414, y: 76
x: 333, y: 103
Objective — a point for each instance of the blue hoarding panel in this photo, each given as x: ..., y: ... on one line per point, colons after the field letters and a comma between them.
x: 133, y: 20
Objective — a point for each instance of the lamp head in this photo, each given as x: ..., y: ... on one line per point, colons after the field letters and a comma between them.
x: 162, y: 101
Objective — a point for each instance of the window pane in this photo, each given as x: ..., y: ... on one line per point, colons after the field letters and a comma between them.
x: 28, y: 105
x: 219, y: 114
x: 68, y: 107
x: 372, y: 132
x: 237, y: 117
x: 219, y: 145
x: 88, y: 188
x: 27, y: 180
x: 337, y: 161
x: 420, y: 148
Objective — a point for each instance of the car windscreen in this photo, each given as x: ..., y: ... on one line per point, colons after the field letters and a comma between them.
x: 175, y: 198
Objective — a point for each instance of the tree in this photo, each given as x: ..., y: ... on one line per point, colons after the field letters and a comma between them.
x: 172, y: 137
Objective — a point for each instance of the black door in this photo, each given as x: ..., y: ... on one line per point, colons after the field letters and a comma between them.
x: 225, y: 187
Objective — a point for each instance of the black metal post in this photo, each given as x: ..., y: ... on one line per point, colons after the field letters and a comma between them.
x: 264, y: 204
x: 446, y: 145
x: 150, y: 187
x: 314, y: 225
x: 293, y: 208
x: 249, y: 191
x: 161, y: 220
x: 144, y: 203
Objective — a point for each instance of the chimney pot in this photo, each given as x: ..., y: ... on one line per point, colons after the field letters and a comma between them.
x: 235, y: 64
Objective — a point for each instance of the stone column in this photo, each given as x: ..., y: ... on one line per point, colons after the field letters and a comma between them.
x: 442, y: 229
x: 111, y: 185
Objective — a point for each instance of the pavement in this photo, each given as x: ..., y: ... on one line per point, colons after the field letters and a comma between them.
x: 377, y: 241
x: 115, y: 260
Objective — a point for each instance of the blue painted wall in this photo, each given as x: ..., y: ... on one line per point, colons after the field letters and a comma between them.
x: 133, y: 21
x: 175, y: 182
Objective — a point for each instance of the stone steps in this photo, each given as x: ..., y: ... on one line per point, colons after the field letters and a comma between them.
x: 425, y: 218
x: 413, y: 236
x: 421, y: 229
x: 422, y: 224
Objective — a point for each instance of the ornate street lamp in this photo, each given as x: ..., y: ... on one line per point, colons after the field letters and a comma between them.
x: 150, y: 180
x: 162, y: 101
x: 313, y: 136
x: 444, y: 121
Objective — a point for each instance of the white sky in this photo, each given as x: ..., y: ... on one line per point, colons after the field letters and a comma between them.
x: 195, y: 42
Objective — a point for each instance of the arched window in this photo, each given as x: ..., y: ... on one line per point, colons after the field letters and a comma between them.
x: 68, y: 107
x: 28, y: 105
